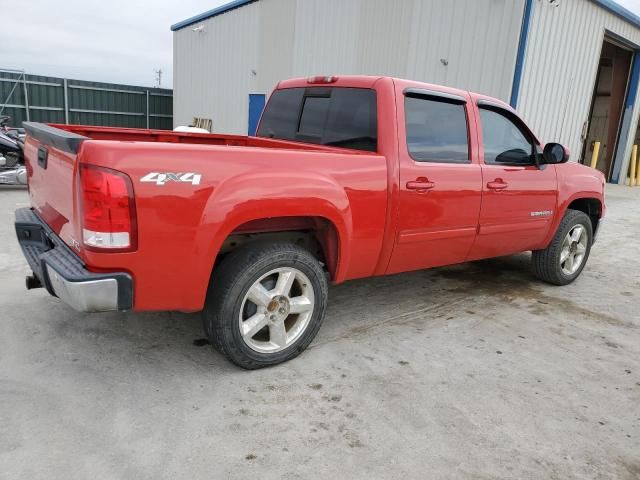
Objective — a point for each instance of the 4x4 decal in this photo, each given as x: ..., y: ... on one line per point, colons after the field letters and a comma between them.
x: 162, y: 178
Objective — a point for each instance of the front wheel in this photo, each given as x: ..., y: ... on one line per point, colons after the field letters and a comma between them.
x: 265, y: 304
x: 565, y: 257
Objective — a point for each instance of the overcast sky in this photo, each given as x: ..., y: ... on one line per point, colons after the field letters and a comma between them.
x: 120, y: 41
x: 633, y: 5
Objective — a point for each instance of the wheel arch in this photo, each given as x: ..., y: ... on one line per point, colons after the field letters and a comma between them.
x: 264, y: 203
x: 317, y: 234
x: 591, y: 206
x: 591, y: 203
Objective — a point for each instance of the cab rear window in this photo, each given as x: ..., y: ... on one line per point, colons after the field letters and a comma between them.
x: 332, y: 116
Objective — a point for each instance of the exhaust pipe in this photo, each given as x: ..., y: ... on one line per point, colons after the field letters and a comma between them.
x: 32, y: 282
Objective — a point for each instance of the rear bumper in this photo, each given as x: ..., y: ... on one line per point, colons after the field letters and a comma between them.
x: 63, y: 273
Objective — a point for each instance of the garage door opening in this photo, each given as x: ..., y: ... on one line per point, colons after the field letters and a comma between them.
x: 607, y: 104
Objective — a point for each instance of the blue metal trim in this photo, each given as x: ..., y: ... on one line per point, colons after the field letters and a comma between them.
x: 619, y: 10
x: 625, y: 126
x: 522, y: 50
x: 632, y: 94
x: 211, y: 13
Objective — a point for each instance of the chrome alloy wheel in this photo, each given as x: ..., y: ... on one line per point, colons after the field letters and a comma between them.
x: 276, y: 310
x: 574, y: 248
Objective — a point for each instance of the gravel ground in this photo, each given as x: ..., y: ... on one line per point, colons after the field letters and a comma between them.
x: 472, y: 371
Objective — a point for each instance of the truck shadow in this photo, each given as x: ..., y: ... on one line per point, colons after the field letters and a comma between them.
x: 360, y: 306
x: 356, y: 308
x: 493, y: 277
x: 450, y: 293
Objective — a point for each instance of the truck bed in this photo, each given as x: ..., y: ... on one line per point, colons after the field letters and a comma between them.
x: 184, y: 222
x: 168, y: 136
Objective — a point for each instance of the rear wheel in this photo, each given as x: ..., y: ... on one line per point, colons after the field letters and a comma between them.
x: 565, y: 257
x: 265, y: 304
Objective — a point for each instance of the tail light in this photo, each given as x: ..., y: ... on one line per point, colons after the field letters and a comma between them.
x: 322, y: 79
x: 108, y: 209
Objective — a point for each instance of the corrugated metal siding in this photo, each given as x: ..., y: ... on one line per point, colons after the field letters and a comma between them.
x: 326, y: 37
x: 276, y: 44
x: 478, y: 39
x: 46, y: 102
x: 213, y: 69
x: 286, y: 38
x: 561, y: 65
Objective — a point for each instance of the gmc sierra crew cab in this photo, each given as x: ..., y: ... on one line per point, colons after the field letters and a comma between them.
x: 347, y: 177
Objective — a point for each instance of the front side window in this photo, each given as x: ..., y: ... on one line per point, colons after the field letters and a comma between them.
x: 436, y: 130
x: 333, y: 116
x: 504, y: 141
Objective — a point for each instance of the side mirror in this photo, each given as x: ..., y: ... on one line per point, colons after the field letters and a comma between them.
x: 555, y: 153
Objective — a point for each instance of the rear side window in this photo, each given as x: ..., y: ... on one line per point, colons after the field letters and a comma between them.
x: 436, y: 130
x: 339, y: 117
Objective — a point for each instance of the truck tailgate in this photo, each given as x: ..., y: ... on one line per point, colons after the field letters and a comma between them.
x: 50, y: 156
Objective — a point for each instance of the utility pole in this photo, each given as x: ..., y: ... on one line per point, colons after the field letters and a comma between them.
x: 158, y: 78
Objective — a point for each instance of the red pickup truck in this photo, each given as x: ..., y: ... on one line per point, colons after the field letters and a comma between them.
x: 347, y: 177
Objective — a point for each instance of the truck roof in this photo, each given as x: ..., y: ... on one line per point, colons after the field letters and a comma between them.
x: 368, y: 81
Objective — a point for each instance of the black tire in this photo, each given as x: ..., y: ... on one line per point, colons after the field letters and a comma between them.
x: 230, y: 283
x: 546, y: 263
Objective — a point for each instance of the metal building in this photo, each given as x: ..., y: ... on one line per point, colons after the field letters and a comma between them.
x: 570, y: 67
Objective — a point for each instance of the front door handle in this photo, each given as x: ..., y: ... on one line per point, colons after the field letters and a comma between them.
x: 420, y: 184
x: 497, y: 184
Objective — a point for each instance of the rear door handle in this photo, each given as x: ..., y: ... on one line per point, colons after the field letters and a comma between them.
x: 497, y: 184
x: 420, y: 184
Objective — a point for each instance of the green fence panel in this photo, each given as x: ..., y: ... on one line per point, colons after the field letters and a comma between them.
x: 56, y: 100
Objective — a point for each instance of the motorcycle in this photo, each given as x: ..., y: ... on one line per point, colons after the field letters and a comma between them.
x: 12, y: 168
